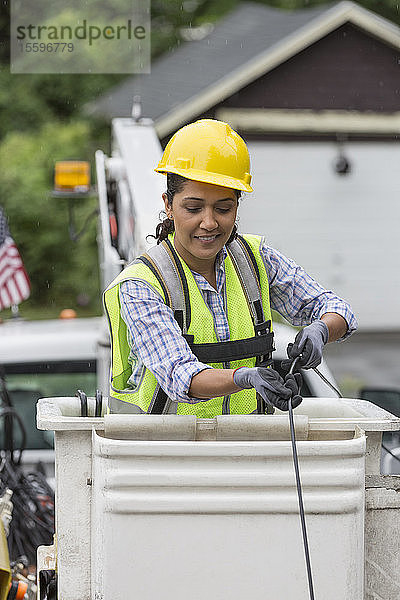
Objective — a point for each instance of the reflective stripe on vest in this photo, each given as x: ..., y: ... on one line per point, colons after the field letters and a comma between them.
x: 248, y: 312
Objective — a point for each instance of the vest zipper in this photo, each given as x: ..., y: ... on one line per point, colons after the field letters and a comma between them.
x: 225, y: 402
x: 226, y: 409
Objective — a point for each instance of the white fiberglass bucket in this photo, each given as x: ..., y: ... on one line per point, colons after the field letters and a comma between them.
x: 218, y: 520
x: 177, y: 507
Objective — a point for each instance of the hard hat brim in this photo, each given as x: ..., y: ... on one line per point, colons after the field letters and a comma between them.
x: 207, y: 177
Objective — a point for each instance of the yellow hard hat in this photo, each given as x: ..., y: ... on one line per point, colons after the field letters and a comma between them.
x: 208, y: 151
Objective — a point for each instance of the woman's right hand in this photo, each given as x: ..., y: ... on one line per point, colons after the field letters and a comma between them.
x: 270, y: 385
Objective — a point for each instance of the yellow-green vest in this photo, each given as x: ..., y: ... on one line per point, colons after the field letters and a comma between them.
x: 201, y: 328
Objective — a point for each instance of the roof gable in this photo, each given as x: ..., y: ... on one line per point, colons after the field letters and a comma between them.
x: 251, y: 41
x: 346, y: 70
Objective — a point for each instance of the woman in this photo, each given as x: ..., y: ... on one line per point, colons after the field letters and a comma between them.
x: 191, y: 319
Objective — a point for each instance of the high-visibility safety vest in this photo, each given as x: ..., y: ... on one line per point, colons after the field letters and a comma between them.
x: 249, y: 319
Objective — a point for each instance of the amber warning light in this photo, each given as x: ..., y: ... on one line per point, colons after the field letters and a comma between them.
x: 71, y: 177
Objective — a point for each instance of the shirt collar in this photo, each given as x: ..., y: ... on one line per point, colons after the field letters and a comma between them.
x: 219, y: 271
x: 220, y: 258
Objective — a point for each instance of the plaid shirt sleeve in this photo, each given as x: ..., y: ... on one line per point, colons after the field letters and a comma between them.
x: 298, y: 297
x: 157, y: 343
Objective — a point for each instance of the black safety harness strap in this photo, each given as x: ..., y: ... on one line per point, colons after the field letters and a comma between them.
x: 163, y: 261
x: 248, y: 272
x: 184, y: 285
x: 230, y: 351
x: 160, y: 402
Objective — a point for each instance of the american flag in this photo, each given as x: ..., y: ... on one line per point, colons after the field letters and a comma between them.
x: 14, y: 282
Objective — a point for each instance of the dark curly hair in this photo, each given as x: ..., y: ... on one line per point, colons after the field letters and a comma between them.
x: 175, y: 185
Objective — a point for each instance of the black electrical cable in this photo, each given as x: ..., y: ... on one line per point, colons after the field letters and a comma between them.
x: 99, y: 403
x: 8, y: 422
x: 32, y: 524
x: 390, y: 452
x: 299, y: 491
x: 83, y: 400
x: 5, y: 396
x: 328, y: 383
x: 325, y: 380
x: 8, y: 411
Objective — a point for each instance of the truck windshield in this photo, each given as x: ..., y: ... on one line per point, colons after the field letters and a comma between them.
x: 27, y: 382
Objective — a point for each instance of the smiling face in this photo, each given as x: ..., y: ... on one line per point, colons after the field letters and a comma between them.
x: 204, y: 216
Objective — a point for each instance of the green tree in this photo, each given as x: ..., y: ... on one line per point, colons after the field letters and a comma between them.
x: 59, y: 269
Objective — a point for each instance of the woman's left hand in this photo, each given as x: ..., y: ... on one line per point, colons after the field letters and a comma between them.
x: 308, y: 344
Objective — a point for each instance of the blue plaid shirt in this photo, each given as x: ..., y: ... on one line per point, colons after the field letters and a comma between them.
x: 155, y: 337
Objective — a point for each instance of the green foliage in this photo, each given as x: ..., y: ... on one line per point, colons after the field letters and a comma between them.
x: 20, y: 109
x: 58, y: 268
x: 29, y: 101
x: 168, y: 17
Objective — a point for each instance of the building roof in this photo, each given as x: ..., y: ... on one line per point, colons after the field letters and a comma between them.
x: 246, y: 44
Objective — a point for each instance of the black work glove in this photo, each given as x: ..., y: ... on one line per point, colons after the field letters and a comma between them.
x: 294, y: 383
x: 309, y: 342
x: 270, y: 385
